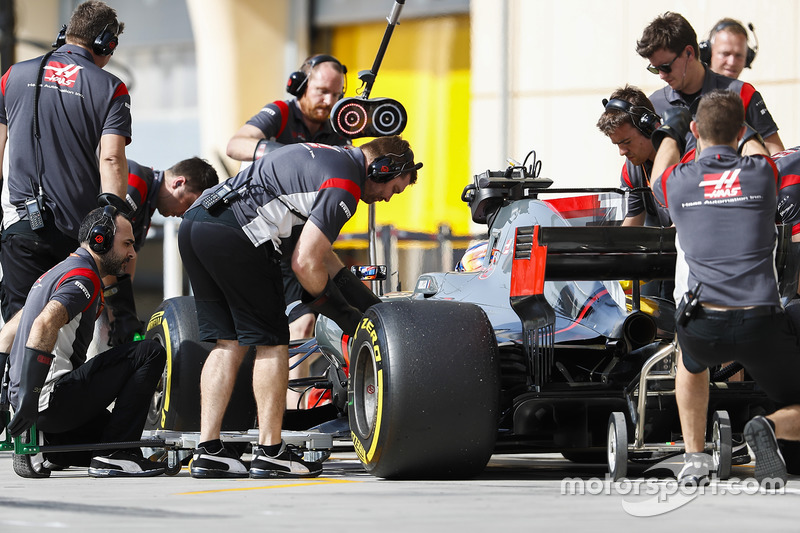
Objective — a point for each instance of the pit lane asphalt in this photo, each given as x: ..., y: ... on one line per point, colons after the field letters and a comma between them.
x: 516, y: 492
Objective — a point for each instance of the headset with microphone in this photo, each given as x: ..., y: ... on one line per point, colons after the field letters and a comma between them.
x: 106, y: 42
x: 643, y: 119
x: 101, y: 236
x: 389, y: 166
x: 298, y: 80
x: 103, y: 45
x: 705, y: 46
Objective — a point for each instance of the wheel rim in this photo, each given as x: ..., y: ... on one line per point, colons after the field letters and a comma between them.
x: 365, y: 387
x: 612, y: 447
x: 157, y: 400
x: 715, y: 438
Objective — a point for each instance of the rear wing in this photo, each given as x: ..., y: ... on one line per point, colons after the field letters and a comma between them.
x: 578, y: 253
x: 594, y: 253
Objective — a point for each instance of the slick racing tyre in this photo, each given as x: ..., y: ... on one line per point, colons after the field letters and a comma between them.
x: 176, y: 402
x: 424, y: 390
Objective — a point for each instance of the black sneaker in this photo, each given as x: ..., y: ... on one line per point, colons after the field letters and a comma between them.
x: 221, y: 464
x: 125, y: 463
x: 770, y: 465
x: 287, y: 463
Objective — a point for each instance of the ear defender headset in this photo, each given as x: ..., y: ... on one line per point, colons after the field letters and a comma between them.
x: 389, y: 166
x: 61, y: 38
x: 645, y: 120
x: 298, y: 80
x: 101, y: 236
x: 106, y: 42
x: 705, y: 46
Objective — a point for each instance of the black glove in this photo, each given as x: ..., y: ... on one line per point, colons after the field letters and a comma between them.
x: 332, y: 304
x: 119, y: 300
x: 264, y: 147
x: 749, y: 134
x: 355, y: 292
x: 674, y: 123
x: 33, y: 372
x: 109, y: 198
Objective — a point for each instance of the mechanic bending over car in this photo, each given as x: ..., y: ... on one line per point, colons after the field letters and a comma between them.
x: 52, y: 384
x: 726, y: 50
x: 171, y: 192
x: 291, y: 202
x: 723, y: 207
x: 317, y: 85
x: 629, y: 120
x: 669, y: 43
x: 84, y: 123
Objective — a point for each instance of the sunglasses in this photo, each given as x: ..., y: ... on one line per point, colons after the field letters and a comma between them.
x: 666, y: 68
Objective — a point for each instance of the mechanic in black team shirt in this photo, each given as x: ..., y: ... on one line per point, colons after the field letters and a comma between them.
x: 292, y: 202
x: 80, y: 109
x: 723, y: 207
x: 788, y: 163
x: 629, y: 120
x: 669, y: 43
x: 171, y: 192
x: 317, y: 86
x: 52, y: 384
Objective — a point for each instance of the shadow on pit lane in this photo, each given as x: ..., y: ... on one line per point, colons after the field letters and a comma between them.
x: 554, y: 467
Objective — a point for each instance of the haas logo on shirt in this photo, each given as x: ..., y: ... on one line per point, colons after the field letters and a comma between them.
x: 723, y: 185
x: 61, y: 74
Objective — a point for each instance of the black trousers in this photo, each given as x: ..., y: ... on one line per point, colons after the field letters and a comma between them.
x: 78, y: 413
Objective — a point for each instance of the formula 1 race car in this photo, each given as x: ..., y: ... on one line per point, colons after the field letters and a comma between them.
x: 537, y: 350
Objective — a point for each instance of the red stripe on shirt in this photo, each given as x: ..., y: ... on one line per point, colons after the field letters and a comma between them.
x: 4, y: 81
x: 284, y: 109
x: 775, y: 172
x: 347, y: 185
x: 625, y: 176
x: 746, y: 94
x: 86, y: 273
x: 121, y: 90
x: 664, y: 183
x: 789, y: 180
x: 140, y: 185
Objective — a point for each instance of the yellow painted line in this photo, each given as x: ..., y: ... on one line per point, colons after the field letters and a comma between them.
x: 319, y: 481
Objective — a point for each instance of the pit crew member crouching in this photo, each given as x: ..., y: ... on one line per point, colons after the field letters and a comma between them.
x: 52, y: 384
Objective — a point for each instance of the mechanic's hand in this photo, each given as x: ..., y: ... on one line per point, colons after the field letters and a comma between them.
x: 332, y: 304
x: 750, y: 135
x: 108, y: 198
x: 33, y: 372
x: 121, y: 305
x: 355, y: 292
x: 264, y: 147
x: 675, y: 124
x: 124, y: 329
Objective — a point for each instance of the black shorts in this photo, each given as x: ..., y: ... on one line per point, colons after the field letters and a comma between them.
x: 238, y: 288
x: 762, y: 339
x: 28, y: 254
x: 293, y: 293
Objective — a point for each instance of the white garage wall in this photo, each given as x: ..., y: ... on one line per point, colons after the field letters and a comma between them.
x: 564, y: 57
